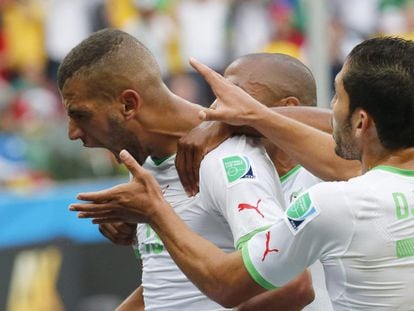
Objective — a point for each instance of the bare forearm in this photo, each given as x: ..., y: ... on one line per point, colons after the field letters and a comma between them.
x: 293, y: 296
x: 312, y: 148
x: 318, y: 118
x: 221, y: 276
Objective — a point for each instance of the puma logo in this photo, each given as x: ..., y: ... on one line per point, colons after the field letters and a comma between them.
x: 268, y: 250
x: 244, y: 206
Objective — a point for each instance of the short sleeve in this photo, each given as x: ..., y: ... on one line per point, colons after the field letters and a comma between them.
x: 315, y: 226
x: 243, y: 188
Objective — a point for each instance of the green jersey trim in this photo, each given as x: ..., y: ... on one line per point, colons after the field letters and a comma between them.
x: 290, y: 173
x: 252, y: 270
x: 395, y: 170
x: 248, y: 236
x: 405, y: 248
x: 158, y: 162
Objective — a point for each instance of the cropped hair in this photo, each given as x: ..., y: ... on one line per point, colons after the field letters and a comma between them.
x: 379, y: 78
x: 111, y: 58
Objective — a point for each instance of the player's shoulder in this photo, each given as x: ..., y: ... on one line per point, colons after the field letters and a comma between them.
x: 237, y: 144
x: 340, y: 192
x: 238, y: 153
x: 238, y: 159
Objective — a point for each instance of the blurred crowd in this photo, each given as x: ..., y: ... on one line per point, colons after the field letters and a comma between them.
x: 35, y: 35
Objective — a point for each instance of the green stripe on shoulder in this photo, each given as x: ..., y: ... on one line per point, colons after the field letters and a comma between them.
x: 253, y: 272
x: 395, y: 170
x: 290, y: 173
x: 248, y: 236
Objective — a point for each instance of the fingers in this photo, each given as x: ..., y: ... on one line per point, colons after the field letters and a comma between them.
x: 132, y: 165
x: 97, y: 196
x: 96, y: 214
x: 91, y: 207
x: 126, y: 228
x: 208, y: 114
x: 119, y: 233
x: 113, y: 219
x: 106, y: 220
x: 215, y: 80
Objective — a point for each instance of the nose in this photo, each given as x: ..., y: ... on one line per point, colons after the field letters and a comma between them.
x: 74, y: 132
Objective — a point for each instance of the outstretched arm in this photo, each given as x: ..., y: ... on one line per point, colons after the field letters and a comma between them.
x: 310, y: 147
x: 193, y: 146
x: 221, y: 276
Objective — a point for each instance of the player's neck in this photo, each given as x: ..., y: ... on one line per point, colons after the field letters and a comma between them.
x: 402, y: 158
x: 166, y: 122
x: 282, y: 162
x: 173, y: 118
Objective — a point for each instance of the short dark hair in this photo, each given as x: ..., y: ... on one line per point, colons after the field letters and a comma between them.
x: 379, y: 78
x: 110, y: 56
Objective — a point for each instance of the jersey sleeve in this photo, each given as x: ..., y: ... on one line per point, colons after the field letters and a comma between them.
x: 242, y: 188
x: 317, y: 225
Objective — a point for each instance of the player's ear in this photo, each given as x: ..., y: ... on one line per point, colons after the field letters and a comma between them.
x: 131, y: 102
x: 289, y: 101
x: 362, y: 122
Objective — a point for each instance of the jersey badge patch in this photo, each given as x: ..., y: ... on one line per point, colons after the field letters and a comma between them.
x: 300, y: 213
x: 294, y: 195
x: 237, y: 167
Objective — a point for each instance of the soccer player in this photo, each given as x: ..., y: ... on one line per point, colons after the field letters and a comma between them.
x: 275, y: 80
x: 278, y: 80
x: 362, y: 230
x: 115, y: 99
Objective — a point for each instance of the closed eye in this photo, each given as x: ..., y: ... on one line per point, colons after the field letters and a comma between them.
x: 77, y: 114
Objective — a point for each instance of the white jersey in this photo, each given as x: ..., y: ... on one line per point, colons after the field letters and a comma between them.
x: 361, y: 230
x: 295, y: 182
x: 213, y: 213
x: 238, y: 180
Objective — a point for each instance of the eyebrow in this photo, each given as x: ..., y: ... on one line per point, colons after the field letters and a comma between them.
x: 73, y: 111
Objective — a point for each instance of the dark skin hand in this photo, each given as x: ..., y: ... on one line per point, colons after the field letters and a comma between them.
x: 141, y: 200
x: 120, y: 233
x: 192, y: 147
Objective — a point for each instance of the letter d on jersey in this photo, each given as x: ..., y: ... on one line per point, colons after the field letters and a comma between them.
x: 300, y: 213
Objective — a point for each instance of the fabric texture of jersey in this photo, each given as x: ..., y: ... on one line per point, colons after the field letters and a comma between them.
x: 165, y: 286
x: 295, y: 182
x: 239, y: 182
x: 361, y: 230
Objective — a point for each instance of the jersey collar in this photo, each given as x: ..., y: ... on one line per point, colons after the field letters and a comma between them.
x: 394, y: 170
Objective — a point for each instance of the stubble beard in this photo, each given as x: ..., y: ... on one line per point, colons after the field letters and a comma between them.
x: 344, y: 146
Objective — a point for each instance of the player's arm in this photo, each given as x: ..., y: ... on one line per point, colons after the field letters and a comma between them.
x: 134, y: 302
x: 312, y: 148
x: 250, y: 205
x: 208, y: 135
x: 292, y: 297
x: 221, y: 276
x: 270, y: 258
